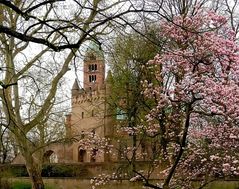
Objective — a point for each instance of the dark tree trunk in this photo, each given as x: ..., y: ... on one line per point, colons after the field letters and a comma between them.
x: 35, y: 175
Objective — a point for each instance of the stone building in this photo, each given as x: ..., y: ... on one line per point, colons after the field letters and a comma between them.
x: 89, y: 113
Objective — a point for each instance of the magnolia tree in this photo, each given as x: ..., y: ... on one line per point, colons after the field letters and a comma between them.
x: 193, y: 99
x: 38, y: 42
x: 196, y: 100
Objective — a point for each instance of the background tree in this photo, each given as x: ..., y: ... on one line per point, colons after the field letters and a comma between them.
x: 126, y: 98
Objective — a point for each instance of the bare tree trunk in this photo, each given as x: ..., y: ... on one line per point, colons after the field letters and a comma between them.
x: 34, y: 173
x: 33, y: 165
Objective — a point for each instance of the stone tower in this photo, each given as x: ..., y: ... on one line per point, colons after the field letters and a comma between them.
x: 89, y: 107
x: 94, y: 68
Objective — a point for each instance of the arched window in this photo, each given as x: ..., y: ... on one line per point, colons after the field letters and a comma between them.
x: 92, y: 78
x: 81, y: 155
x: 92, y: 67
x: 50, y: 157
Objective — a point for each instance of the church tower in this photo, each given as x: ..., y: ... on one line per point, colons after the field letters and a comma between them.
x: 89, y: 108
x: 94, y: 68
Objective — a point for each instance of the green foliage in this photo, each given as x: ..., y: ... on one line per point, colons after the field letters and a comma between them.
x: 19, y: 171
x: 130, y: 54
x: 62, y: 170
x: 49, y: 170
x: 57, y: 171
x: 4, y: 183
x: 5, y: 172
x: 8, y: 170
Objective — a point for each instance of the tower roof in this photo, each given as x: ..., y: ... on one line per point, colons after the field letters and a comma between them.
x: 95, y: 50
x: 75, y: 85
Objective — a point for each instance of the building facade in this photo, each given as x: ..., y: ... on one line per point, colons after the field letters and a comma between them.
x: 89, y: 113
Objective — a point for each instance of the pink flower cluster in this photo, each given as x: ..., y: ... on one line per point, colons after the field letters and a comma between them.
x: 197, y: 78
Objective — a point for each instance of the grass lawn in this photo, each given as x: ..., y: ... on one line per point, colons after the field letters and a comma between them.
x: 26, y: 185
x: 224, y: 185
x: 19, y: 183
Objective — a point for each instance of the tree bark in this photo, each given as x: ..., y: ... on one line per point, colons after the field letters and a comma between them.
x: 181, y: 150
x: 34, y: 173
x: 33, y: 165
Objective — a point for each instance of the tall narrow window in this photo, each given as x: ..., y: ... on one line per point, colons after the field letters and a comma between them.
x: 82, y: 115
x: 92, y: 67
x: 81, y: 155
x: 92, y: 78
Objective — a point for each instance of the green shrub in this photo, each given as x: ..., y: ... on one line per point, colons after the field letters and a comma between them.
x: 49, y: 170
x: 4, y: 184
x: 61, y: 170
x: 57, y: 171
x: 8, y: 170
x: 19, y: 171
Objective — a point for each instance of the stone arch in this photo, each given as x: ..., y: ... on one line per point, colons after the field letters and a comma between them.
x: 50, y: 157
x: 81, y: 154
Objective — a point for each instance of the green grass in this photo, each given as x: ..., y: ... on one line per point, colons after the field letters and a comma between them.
x: 85, y: 184
x: 21, y: 185
x: 224, y: 185
x: 25, y: 185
